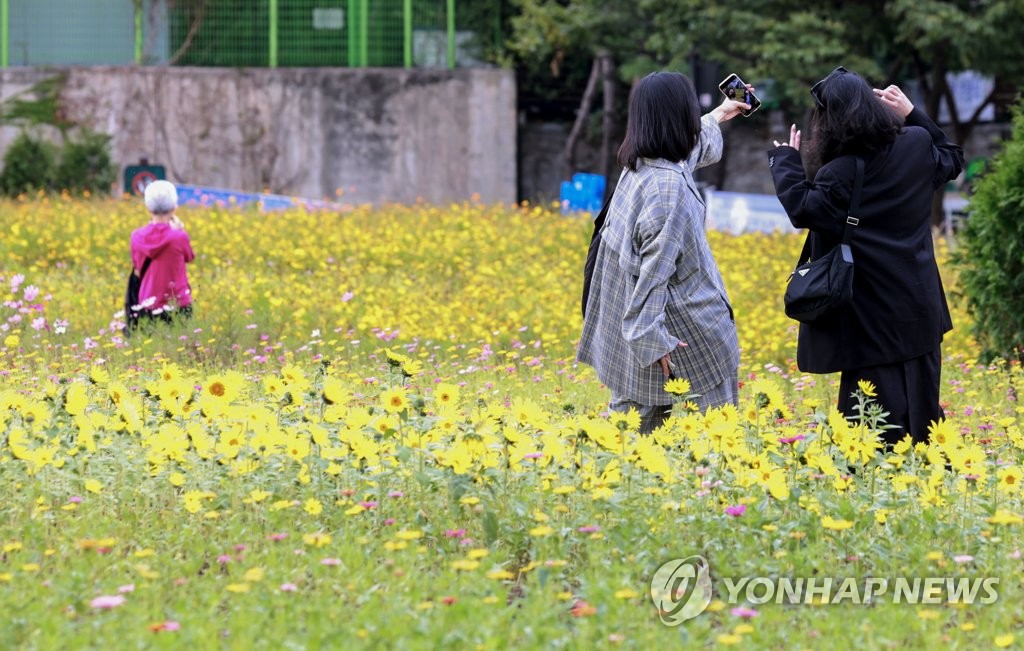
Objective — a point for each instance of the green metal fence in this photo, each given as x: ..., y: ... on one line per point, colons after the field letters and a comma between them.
x: 237, y: 33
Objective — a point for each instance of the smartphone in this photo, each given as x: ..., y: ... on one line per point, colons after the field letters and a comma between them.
x: 734, y: 88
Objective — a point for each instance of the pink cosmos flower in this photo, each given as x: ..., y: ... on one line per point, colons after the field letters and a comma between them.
x: 126, y: 588
x: 331, y: 561
x: 785, y: 440
x: 590, y: 528
x: 106, y: 602
x: 289, y: 587
x: 454, y: 533
x: 736, y: 510
x: 745, y: 613
x: 277, y: 537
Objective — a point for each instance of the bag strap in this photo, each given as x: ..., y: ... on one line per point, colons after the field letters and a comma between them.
x: 588, y: 267
x: 599, y: 220
x: 145, y: 268
x: 851, y: 219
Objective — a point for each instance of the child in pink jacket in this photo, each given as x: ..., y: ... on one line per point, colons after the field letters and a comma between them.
x: 164, y: 289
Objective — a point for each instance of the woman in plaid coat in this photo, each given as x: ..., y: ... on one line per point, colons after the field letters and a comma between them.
x: 657, y: 306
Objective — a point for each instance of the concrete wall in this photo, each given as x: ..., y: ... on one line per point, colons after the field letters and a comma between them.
x: 372, y: 135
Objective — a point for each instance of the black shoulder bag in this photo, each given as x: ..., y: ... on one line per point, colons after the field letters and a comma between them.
x: 595, y: 243
x: 817, y: 288
x: 131, y: 297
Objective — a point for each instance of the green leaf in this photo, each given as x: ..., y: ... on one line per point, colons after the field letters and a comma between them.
x: 490, y: 527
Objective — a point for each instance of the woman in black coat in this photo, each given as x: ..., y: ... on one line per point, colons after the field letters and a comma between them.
x: 891, y: 333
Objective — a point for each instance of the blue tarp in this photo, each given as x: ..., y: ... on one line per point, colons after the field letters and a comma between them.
x: 203, y: 196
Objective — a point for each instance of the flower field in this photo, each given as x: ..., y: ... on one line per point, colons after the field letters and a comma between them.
x: 373, y: 434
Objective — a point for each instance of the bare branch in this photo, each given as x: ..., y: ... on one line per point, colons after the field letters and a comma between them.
x: 192, y: 31
x: 581, y: 116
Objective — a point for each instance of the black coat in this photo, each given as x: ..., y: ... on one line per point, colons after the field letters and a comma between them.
x: 899, y: 309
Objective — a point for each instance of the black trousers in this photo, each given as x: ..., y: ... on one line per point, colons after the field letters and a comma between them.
x: 145, y: 319
x: 908, y: 390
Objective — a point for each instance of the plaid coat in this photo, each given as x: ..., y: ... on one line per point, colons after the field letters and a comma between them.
x: 656, y: 284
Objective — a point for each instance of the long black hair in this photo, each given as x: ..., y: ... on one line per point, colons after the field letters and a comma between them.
x: 664, y: 119
x: 849, y: 119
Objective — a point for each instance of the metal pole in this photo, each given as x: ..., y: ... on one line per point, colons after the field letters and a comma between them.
x: 5, y: 15
x: 364, y: 26
x: 407, y: 33
x: 451, y: 33
x: 273, y: 33
x: 352, y: 36
x: 138, y: 31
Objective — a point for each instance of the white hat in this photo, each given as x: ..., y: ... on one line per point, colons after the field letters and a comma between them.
x: 161, y: 197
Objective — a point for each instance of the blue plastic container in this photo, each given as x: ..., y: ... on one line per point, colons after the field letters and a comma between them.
x: 584, y: 192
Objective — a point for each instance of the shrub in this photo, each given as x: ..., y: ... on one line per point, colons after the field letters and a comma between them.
x: 29, y: 164
x: 85, y: 164
x: 990, y: 258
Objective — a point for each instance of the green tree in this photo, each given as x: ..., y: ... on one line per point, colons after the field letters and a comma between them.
x: 85, y: 163
x: 81, y: 162
x: 793, y: 43
x: 605, y: 36
x: 28, y: 165
x: 789, y: 44
x: 990, y: 259
x: 784, y: 46
x: 936, y: 37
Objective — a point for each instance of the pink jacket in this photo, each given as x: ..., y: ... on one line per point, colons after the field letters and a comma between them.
x: 165, y: 281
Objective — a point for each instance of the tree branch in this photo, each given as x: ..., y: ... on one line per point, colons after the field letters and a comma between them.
x: 608, y: 77
x: 981, y: 107
x: 192, y: 31
x: 569, y: 153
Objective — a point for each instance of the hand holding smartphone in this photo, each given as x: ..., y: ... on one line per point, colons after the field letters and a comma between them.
x: 734, y: 88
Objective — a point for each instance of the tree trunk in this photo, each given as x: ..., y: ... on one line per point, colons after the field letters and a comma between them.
x: 582, y: 113
x: 933, y: 90
x: 608, y: 76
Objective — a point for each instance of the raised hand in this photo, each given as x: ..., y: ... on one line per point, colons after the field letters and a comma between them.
x: 794, y: 139
x: 894, y: 98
